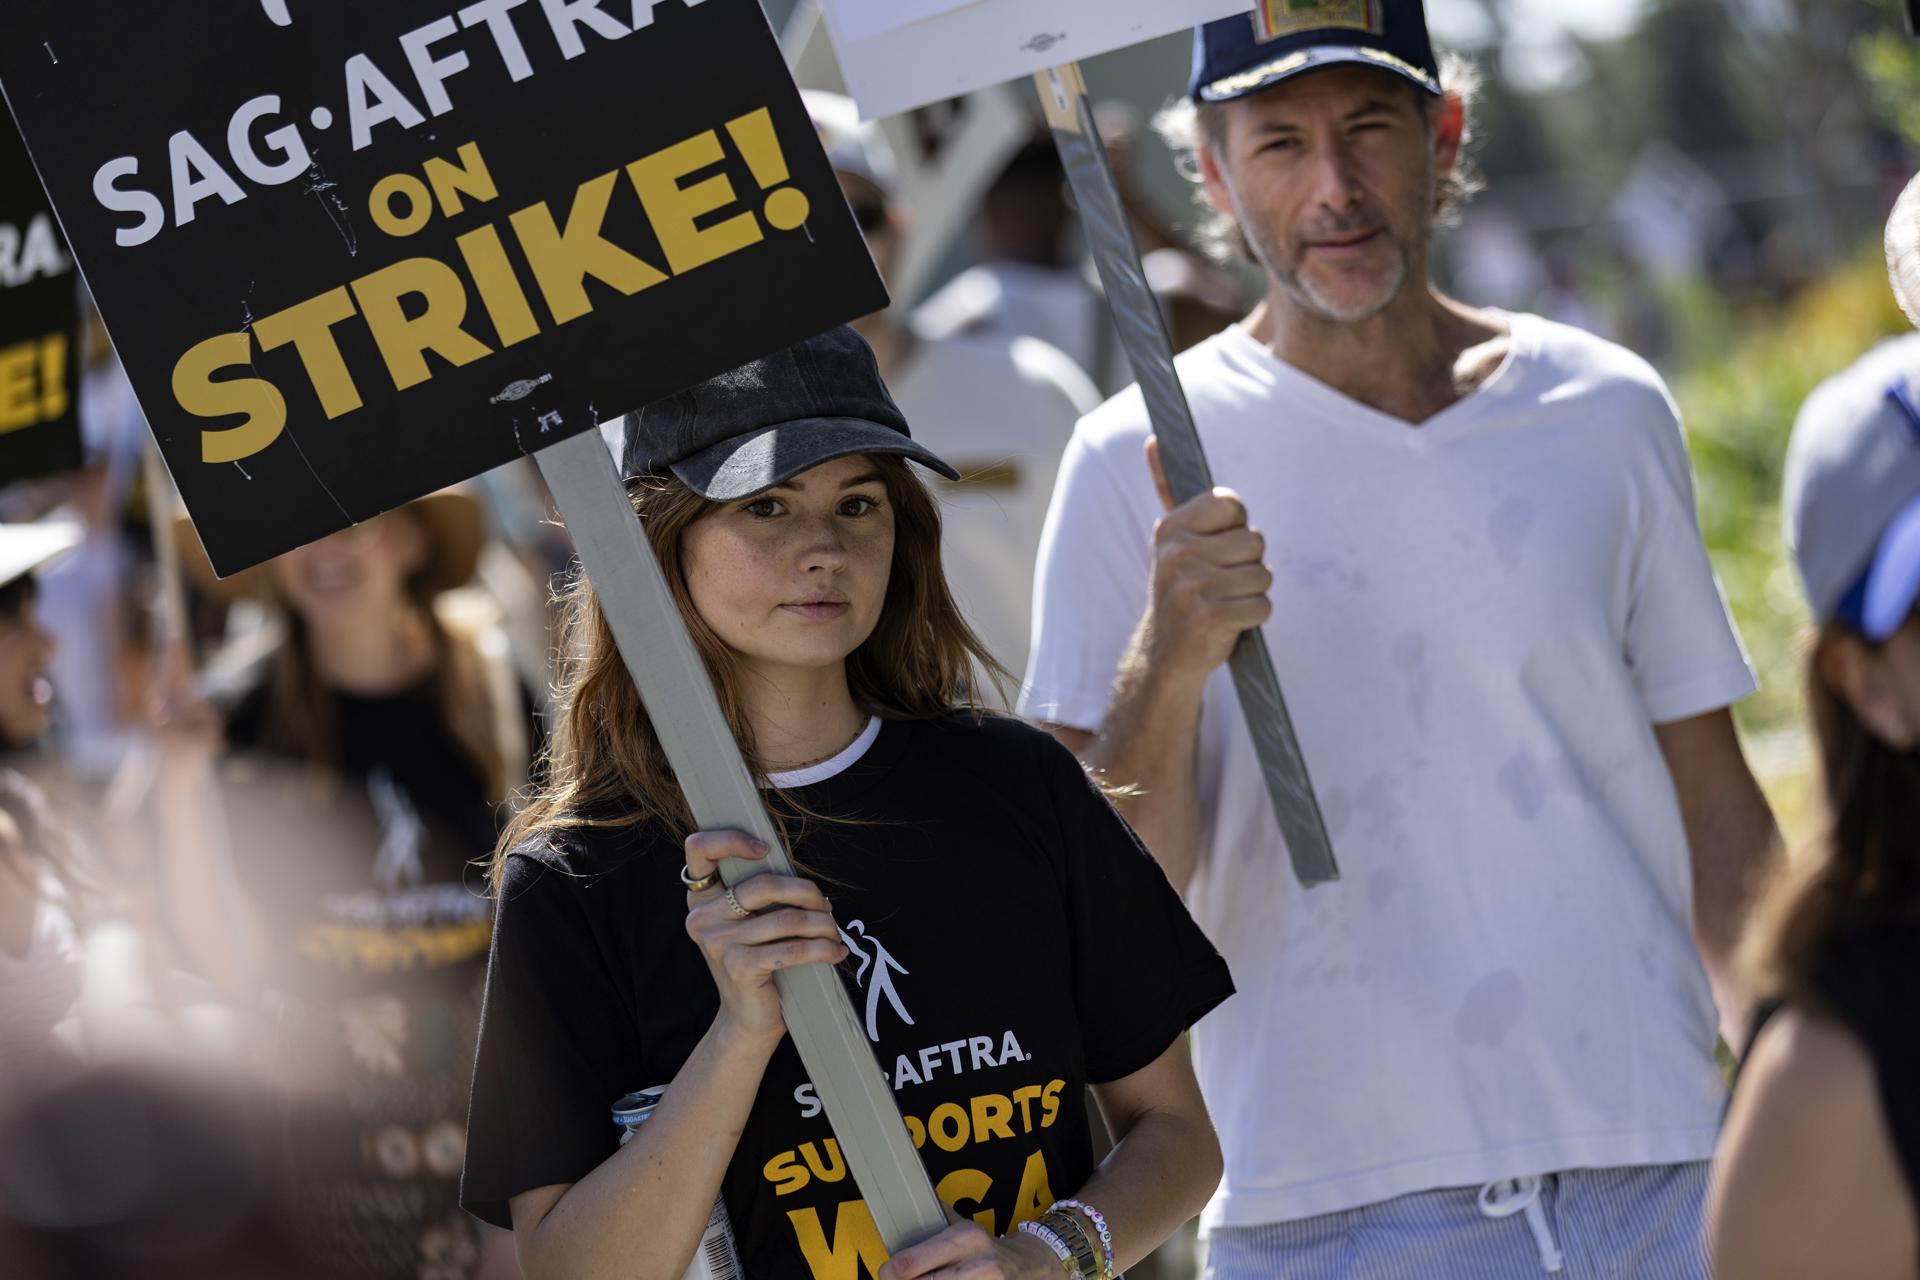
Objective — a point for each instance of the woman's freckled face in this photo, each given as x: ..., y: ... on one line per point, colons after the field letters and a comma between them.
x: 796, y: 576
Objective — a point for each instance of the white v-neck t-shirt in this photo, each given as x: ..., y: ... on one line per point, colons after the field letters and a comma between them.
x: 1477, y: 622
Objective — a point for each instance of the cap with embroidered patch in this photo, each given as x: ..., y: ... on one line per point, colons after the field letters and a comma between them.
x: 1236, y: 56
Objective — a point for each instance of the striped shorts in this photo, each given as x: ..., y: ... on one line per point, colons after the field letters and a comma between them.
x: 1582, y: 1224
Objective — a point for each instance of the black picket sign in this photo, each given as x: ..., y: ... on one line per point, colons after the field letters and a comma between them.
x: 332, y: 239
x: 39, y: 314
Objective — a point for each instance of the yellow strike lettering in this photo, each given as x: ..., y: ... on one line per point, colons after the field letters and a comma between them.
x: 20, y: 386
x: 856, y: 1240
x: 968, y: 1184
x: 196, y: 392
x: 672, y: 208
x: 53, y: 376
x: 404, y: 341
x: 1050, y: 1103
x: 380, y: 204
x: 835, y: 1169
x: 948, y: 1125
x: 916, y: 1131
x: 499, y: 287
x: 1022, y: 1096
x: 309, y: 327
x: 1035, y: 1197
x: 450, y: 181
x: 561, y: 259
x: 376, y: 950
x: 785, y: 1173
x: 991, y: 1112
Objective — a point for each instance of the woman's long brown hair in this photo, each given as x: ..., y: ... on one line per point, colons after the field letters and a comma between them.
x: 1867, y: 873
x: 302, y: 719
x: 604, y: 765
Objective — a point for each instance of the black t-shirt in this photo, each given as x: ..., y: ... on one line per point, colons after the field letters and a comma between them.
x: 1011, y: 941
x: 1868, y: 979
x: 371, y: 882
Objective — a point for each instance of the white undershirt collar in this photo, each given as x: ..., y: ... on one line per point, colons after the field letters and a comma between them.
x: 833, y: 764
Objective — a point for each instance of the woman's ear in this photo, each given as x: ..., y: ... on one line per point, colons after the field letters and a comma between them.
x: 1863, y: 677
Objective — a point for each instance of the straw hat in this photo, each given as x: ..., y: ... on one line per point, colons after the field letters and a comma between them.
x: 453, y: 520
x: 26, y: 547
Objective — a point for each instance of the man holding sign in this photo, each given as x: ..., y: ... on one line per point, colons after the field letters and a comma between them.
x: 1488, y: 1048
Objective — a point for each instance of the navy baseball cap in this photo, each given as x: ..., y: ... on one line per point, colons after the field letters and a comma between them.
x: 1233, y: 57
x: 767, y: 421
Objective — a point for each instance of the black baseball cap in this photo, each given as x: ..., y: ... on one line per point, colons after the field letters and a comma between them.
x: 770, y: 419
x: 1236, y: 56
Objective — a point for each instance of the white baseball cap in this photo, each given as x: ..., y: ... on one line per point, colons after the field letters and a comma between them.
x: 26, y: 547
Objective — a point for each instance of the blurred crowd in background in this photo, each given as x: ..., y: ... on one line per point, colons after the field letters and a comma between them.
x: 257, y: 806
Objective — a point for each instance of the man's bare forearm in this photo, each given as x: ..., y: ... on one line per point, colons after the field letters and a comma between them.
x: 1733, y: 842
x: 1734, y: 852
x: 1145, y: 750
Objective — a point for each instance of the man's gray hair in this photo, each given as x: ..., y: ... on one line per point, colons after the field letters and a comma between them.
x: 1187, y: 126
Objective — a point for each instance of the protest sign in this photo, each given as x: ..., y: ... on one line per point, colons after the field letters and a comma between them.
x: 39, y: 323
x: 331, y: 238
x: 944, y: 48
x: 945, y: 157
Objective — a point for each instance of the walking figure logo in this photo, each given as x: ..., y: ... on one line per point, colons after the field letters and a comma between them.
x: 875, y: 974
x: 397, y: 865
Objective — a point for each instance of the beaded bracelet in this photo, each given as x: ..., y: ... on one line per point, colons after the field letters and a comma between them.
x: 1051, y: 1238
x: 1099, y: 1222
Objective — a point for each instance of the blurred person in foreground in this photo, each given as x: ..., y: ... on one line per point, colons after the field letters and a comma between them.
x: 145, y: 1173
x: 1819, y: 1167
x: 1488, y: 1049
x: 42, y: 884
x: 85, y: 970
x: 366, y: 768
x: 999, y: 405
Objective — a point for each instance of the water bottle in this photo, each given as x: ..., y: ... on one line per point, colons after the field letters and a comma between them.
x: 715, y: 1258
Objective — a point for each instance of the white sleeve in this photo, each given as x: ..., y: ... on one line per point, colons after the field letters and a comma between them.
x: 1681, y: 645
x: 1089, y: 588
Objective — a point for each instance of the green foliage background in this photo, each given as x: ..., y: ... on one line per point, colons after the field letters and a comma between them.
x: 1739, y: 393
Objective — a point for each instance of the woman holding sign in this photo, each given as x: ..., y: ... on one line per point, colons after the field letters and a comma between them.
x: 1006, y: 938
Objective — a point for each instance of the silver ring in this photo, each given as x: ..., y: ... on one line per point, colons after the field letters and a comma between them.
x: 733, y: 904
x: 704, y: 883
